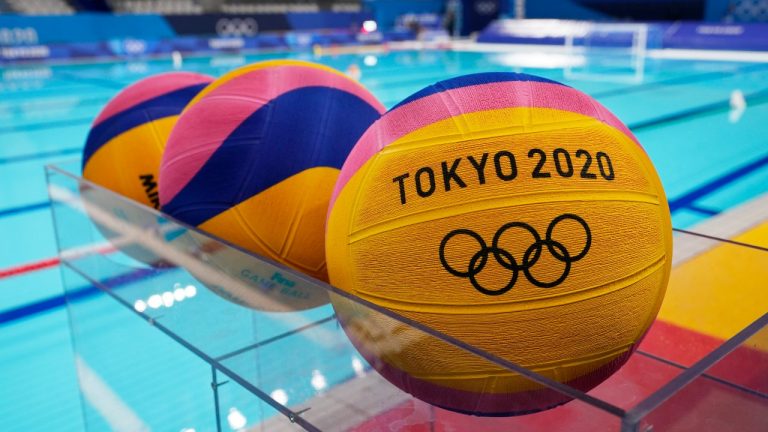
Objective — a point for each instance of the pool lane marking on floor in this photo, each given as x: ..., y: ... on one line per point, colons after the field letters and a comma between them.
x: 24, y: 208
x: 29, y: 267
x: 755, y: 98
x: 723, y: 227
x: 105, y: 401
x: 97, y: 82
x: 78, y: 293
x: 689, y: 198
x: 684, y: 79
x: 702, y: 210
x: 50, y: 303
x: 17, y: 270
x: 40, y: 155
x: 45, y: 104
x: 46, y: 125
x: 680, y: 80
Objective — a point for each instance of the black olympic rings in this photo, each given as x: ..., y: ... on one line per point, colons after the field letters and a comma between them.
x: 532, y: 254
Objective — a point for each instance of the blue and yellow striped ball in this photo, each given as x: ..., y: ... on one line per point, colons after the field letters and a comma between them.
x: 125, y: 143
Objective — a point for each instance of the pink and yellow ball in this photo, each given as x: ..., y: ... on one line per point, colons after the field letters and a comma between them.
x: 510, y: 212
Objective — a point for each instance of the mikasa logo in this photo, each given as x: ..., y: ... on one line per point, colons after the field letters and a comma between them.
x: 150, y: 188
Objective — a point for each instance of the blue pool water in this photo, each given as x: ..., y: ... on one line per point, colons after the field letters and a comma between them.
x: 710, y: 159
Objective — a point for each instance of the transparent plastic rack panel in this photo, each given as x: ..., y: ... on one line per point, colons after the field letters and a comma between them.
x: 175, y: 330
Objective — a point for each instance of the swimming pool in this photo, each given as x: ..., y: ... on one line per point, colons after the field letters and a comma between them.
x: 710, y: 158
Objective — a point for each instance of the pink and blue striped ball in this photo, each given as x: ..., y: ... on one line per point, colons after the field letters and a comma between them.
x: 254, y: 158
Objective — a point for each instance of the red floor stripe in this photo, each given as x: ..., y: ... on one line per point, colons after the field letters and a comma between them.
x: 703, y: 406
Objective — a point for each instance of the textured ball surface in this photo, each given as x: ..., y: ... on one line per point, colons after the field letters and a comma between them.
x: 126, y: 142
x: 254, y: 158
x: 513, y: 213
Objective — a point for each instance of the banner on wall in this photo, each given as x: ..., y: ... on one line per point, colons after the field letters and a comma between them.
x: 31, y: 30
x: 227, y: 25
x: 250, y: 25
x: 87, y: 27
x: 684, y: 35
x: 746, y: 36
x: 101, y: 35
x: 138, y: 48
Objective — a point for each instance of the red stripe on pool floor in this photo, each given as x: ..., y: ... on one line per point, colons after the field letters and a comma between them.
x: 29, y: 267
x: 43, y: 264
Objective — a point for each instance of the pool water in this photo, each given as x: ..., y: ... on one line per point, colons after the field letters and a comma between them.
x: 710, y: 157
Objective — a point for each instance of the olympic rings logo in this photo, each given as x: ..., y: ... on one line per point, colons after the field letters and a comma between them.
x: 236, y: 27
x: 18, y: 35
x: 135, y: 46
x: 505, y: 258
x: 486, y: 7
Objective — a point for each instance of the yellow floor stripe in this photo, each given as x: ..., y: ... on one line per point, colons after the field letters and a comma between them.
x: 722, y: 290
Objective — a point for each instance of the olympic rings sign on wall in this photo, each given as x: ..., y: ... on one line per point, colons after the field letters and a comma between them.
x: 486, y: 7
x: 237, y: 27
x: 18, y: 36
x: 504, y: 258
x: 135, y: 46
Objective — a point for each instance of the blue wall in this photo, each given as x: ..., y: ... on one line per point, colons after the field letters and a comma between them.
x: 716, y: 10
